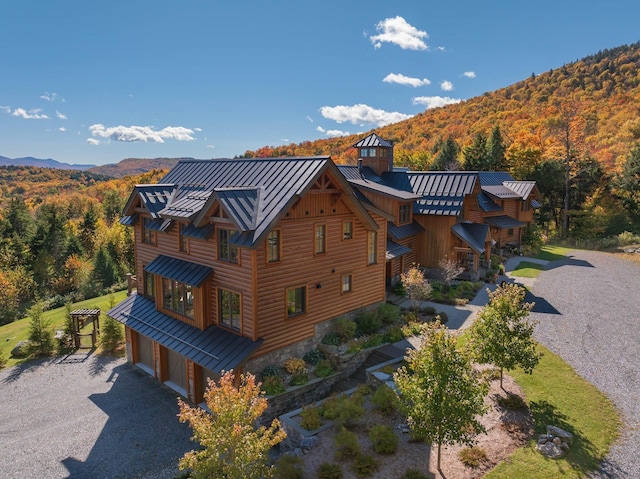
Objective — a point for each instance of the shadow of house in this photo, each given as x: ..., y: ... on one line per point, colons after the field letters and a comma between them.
x: 141, y: 435
x: 569, y: 261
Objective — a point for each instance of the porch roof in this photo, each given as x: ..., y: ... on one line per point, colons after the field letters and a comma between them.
x: 474, y: 234
x: 179, y: 270
x: 214, y: 348
x: 395, y: 250
x: 504, y: 221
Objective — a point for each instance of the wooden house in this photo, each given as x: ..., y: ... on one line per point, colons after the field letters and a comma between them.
x: 243, y: 262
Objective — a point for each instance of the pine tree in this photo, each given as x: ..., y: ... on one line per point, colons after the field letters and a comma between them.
x: 40, y: 332
x: 496, y: 150
x: 476, y: 155
x: 104, y: 270
x: 447, y: 157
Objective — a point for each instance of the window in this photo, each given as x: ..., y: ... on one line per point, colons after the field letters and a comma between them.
x: 347, y: 230
x: 525, y: 205
x: 347, y: 283
x: 229, y: 309
x: 149, y: 284
x: 321, y: 239
x: 384, y: 153
x: 182, y: 239
x: 227, y: 251
x: 405, y: 214
x: 177, y: 297
x: 364, y: 152
x: 510, y: 232
x: 372, y: 248
x: 296, y: 301
x: 148, y: 235
x: 273, y: 246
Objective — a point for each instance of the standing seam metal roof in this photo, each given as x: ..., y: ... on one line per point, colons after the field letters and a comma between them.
x: 373, y: 140
x: 179, y: 270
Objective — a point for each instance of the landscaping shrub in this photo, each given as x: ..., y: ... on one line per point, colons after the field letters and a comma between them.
x: 324, y: 368
x: 511, y: 401
x: 364, y: 465
x: 384, y: 440
x: 368, y: 322
x: 346, y: 444
x: 40, y: 332
x: 343, y: 410
x: 360, y: 393
x: 415, y: 474
x: 345, y: 328
x: 271, y: 371
x: 3, y: 361
x: 428, y: 310
x: 490, y: 374
x: 313, y: 357
x: 388, y: 313
x: 298, y: 379
x: 442, y: 317
x: 289, y: 467
x: 414, y: 328
x: 273, y: 385
x: 385, y: 400
x: 398, y: 289
x: 331, y: 339
x: 393, y: 334
x: 373, y: 340
x: 328, y: 470
x: 310, y: 418
x: 294, y: 365
x: 472, y: 456
x: 112, y: 334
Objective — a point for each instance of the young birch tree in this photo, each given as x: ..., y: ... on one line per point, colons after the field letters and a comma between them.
x: 442, y: 396
x: 502, y: 334
x: 415, y: 286
x: 231, y: 444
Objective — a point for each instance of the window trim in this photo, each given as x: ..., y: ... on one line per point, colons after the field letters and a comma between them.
x: 372, y: 247
x: 405, y: 218
x: 305, y: 301
x: 149, y: 236
x: 344, y: 223
x: 324, y: 238
x: 151, y: 277
x: 230, y: 247
x: 269, y: 248
x: 350, y: 283
x: 219, y: 322
x: 185, y: 288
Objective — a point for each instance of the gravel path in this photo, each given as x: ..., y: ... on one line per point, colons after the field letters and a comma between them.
x: 597, y: 331
x: 88, y: 416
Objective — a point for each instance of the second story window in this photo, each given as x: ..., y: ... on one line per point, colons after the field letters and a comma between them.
x: 372, y: 247
x: 229, y: 309
x: 320, y: 239
x: 149, y: 284
x: 524, y: 206
x: 226, y: 250
x: 404, y: 215
x: 273, y: 246
x: 148, y: 235
x: 347, y: 230
x: 177, y: 297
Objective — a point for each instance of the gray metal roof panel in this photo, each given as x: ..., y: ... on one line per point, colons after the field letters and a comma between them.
x: 385, y: 190
x: 535, y: 204
x: 179, y: 270
x: 351, y: 172
x: 489, y: 178
x: 404, y: 231
x: 500, y: 191
x: 187, y: 205
x: 503, y: 221
x: 523, y: 188
x: 129, y: 220
x: 214, y: 348
x: 439, y: 206
x: 395, y: 250
x: 241, y: 204
x: 486, y: 204
x: 155, y: 197
x: 373, y: 140
x: 474, y: 234
x: 160, y: 224
x: 202, y: 232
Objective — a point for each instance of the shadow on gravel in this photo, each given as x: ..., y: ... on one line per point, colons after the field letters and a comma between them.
x: 101, y: 363
x: 18, y: 370
x: 541, y: 305
x: 583, y: 455
x: 569, y: 261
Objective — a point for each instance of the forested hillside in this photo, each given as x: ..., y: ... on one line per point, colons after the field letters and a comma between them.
x: 60, y: 238
x: 135, y: 166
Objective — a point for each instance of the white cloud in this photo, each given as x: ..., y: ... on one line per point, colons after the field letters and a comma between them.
x: 33, y: 114
x: 197, y: 129
x: 469, y: 74
x: 60, y: 115
x: 6, y: 109
x: 62, y: 128
x: 284, y: 140
x: 441, y: 49
x: 399, y: 32
x: 446, y: 85
x: 210, y: 146
x: 309, y: 118
x: 332, y: 133
x: 49, y: 96
x: 93, y: 141
x: 435, y: 101
x: 141, y: 133
x: 359, y: 114
x: 400, y: 79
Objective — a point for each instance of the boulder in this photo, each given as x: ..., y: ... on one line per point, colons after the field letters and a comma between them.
x: 21, y: 349
x: 550, y: 450
x: 565, y: 436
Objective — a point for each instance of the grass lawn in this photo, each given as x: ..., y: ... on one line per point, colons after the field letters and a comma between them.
x: 12, y: 333
x: 552, y: 252
x: 558, y: 396
x: 526, y: 269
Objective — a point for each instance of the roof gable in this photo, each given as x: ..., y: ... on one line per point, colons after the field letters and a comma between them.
x: 152, y: 197
x: 373, y: 140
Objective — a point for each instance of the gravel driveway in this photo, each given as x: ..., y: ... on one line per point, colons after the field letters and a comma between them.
x: 87, y: 416
x: 597, y: 331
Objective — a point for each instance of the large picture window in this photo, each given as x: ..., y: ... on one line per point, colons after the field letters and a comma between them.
x: 321, y: 239
x: 229, y: 309
x: 148, y: 235
x: 273, y: 246
x: 226, y: 250
x: 177, y: 297
x: 372, y: 247
x: 296, y: 299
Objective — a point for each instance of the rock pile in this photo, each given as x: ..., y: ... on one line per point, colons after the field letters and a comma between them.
x: 555, y: 443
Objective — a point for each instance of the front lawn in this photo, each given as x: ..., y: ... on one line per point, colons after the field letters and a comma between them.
x: 558, y: 396
x: 552, y: 252
x: 526, y: 269
x: 12, y: 333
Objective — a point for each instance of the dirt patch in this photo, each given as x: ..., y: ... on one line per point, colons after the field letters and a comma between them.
x: 506, y: 431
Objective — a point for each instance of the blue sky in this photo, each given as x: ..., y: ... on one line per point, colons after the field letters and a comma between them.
x: 95, y: 82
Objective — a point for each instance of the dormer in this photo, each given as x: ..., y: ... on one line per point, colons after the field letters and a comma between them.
x: 376, y: 153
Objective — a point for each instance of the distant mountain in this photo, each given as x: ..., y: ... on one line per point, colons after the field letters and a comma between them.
x: 48, y: 163
x: 135, y: 166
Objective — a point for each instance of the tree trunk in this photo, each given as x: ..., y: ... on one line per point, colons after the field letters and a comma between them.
x: 501, y: 371
x: 567, y: 191
x: 438, y: 461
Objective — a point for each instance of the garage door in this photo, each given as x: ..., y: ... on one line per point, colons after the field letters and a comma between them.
x: 145, y: 354
x: 177, y: 372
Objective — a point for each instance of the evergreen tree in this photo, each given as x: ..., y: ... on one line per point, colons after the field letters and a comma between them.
x: 476, y: 155
x: 104, y: 270
x: 112, y: 205
x: 628, y: 183
x: 88, y: 229
x: 496, y: 150
x: 112, y: 334
x: 40, y: 332
x: 447, y: 157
